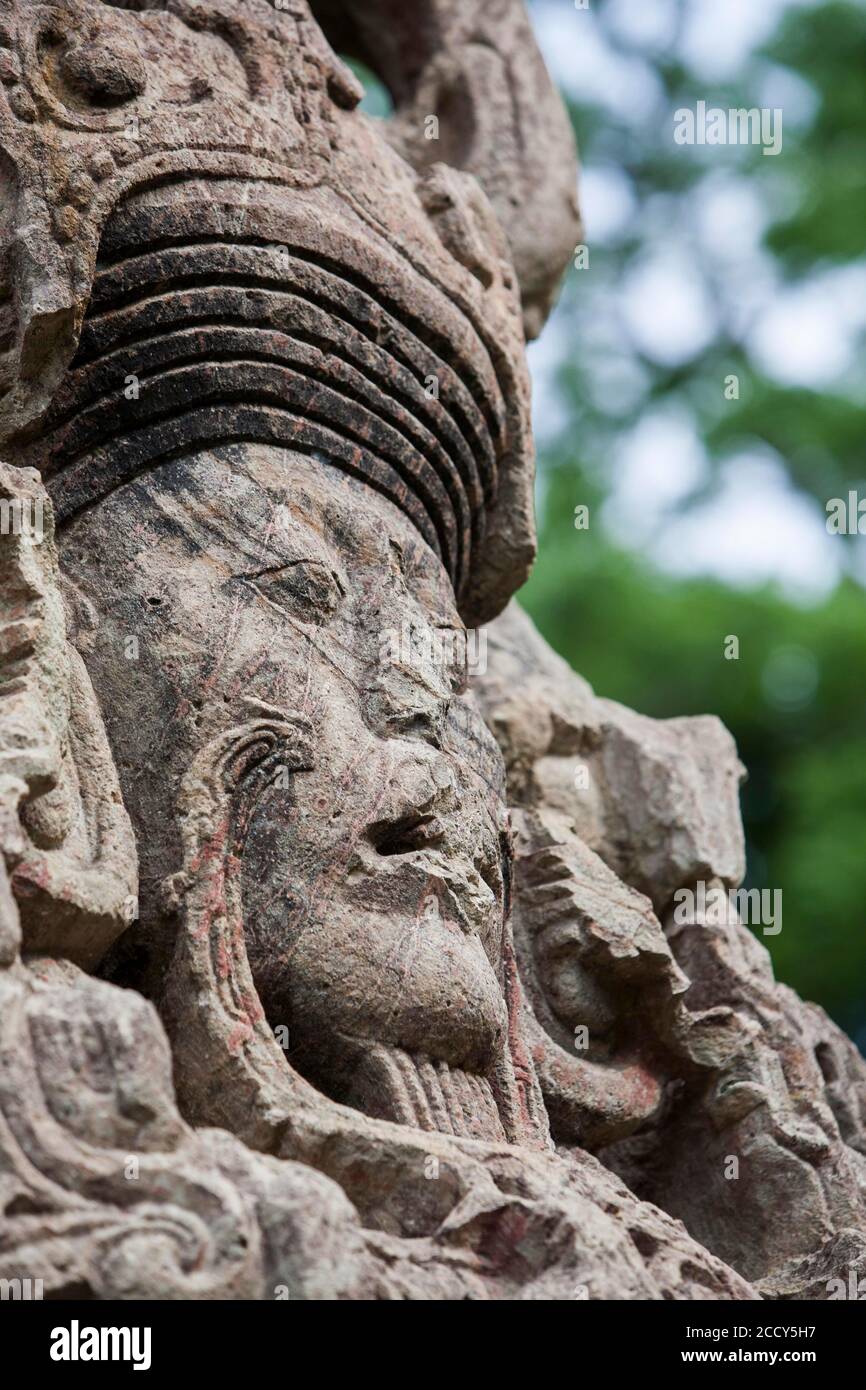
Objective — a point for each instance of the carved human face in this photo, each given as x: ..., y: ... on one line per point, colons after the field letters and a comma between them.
x: 373, y: 883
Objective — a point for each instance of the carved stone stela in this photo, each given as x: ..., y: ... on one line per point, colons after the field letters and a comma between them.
x: 319, y: 968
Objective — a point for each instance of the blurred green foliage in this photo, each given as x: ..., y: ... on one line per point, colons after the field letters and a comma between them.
x: 795, y: 698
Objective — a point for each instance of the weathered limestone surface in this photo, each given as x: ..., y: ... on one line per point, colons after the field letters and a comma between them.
x: 291, y: 956
x: 696, y: 1055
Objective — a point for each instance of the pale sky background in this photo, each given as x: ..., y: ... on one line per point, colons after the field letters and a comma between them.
x: 757, y: 526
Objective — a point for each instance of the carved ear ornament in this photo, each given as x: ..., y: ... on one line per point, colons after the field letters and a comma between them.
x: 211, y: 1007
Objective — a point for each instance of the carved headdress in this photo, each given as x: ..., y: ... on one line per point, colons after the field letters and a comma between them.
x: 165, y: 295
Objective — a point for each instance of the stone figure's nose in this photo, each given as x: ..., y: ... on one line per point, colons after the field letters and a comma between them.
x: 414, y: 682
x: 421, y: 795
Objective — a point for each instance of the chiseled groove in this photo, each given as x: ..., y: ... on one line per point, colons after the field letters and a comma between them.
x: 81, y: 410
x: 173, y: 309
x: 438, y: 423
x: 435, y: 1097
x: 424, y: 1117
x: 338, y: 270
x: 126, y: 230
x: 231, y: 428
x: 386, y: 1061
x: 487, y: 1107
x: 176, y: 389
x: 459, y: 1121
x: 320, y: 290
x: 204, y: 380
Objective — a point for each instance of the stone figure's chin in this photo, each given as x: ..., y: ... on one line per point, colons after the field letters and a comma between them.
x: 366, y: 996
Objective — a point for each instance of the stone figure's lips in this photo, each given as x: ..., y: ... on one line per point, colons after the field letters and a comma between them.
x: 213, y: 322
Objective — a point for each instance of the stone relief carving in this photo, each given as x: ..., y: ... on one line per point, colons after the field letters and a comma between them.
x: 696, y: 1055
x: 297, y: 922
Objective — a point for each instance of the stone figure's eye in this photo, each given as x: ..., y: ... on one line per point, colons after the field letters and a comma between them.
x: 307, y: 589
